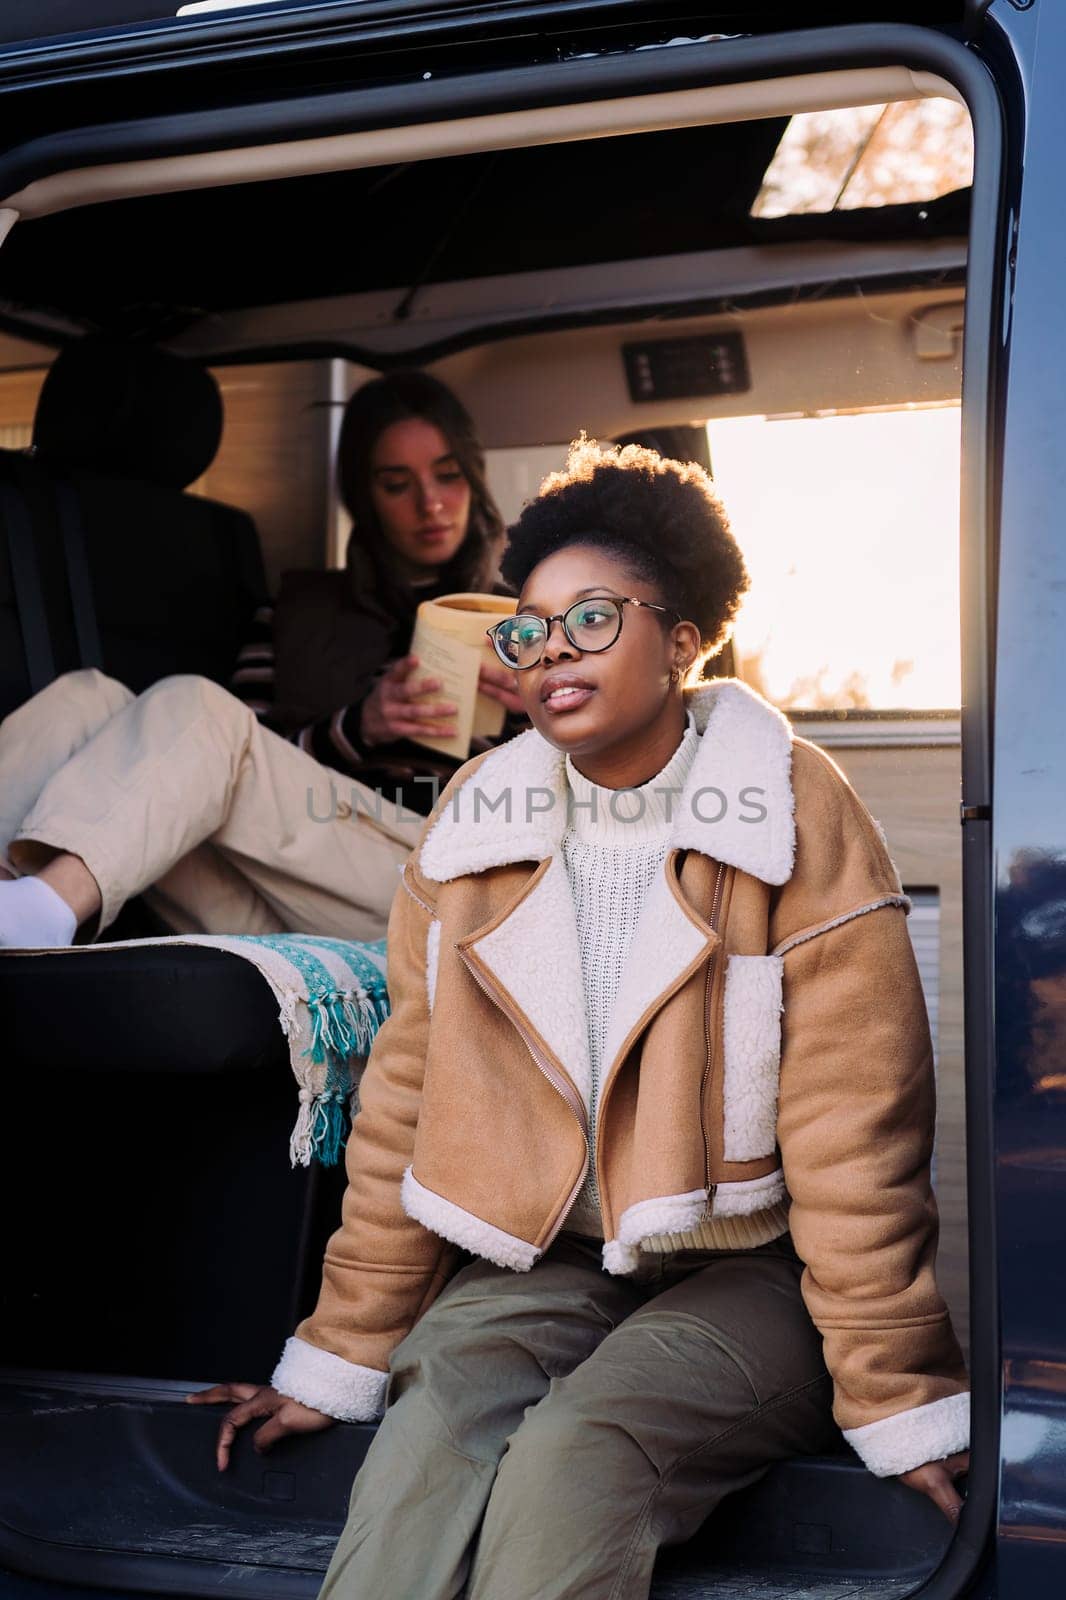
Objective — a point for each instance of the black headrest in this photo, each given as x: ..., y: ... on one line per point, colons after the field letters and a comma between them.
x: 129, y: 411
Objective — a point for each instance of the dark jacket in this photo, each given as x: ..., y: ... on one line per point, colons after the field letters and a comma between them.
x: 330, y: 637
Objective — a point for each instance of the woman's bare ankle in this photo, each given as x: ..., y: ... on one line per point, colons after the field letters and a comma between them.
x: 73, y: 882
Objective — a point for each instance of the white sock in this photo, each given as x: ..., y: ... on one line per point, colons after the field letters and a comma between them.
x: 33, y: 916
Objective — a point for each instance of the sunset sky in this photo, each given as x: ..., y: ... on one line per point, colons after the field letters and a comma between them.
x: 850, y: 528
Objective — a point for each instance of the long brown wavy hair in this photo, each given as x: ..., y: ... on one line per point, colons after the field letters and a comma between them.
x: 397, y: 397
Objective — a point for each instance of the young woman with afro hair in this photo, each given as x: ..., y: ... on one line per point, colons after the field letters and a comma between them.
x: 639, y: 1196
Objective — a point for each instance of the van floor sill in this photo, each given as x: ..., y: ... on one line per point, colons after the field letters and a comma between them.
x: 737, y: 1584
x: 112, y: 1481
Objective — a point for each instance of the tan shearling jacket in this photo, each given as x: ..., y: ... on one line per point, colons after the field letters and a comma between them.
x: 768, y: 1065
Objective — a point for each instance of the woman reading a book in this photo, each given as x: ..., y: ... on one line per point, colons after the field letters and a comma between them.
x: 290, y: 801
x: 658, y: 1062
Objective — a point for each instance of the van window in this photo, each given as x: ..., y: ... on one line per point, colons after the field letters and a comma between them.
x: 850, y: 528
x: 873, y: 155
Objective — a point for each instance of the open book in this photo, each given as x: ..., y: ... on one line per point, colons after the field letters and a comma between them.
x: 450, y: 643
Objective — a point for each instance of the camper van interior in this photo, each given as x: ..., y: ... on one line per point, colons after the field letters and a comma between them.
x: 768, y: 276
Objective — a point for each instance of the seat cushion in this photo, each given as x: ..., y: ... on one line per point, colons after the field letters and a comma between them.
x: 142, y: 1010
x: 161, y: 1230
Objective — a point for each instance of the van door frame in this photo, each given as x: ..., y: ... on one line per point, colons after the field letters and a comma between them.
x: 695, y: 64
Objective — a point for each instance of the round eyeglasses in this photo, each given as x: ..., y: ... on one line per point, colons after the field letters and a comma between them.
x: 590, y: 625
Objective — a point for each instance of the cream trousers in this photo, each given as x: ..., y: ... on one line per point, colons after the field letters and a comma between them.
x: 180, y: 794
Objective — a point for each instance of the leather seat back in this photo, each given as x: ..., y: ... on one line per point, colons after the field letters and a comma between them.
x: 172, y: 578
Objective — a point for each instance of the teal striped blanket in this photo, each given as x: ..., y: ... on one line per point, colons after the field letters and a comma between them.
x: 331, y: 999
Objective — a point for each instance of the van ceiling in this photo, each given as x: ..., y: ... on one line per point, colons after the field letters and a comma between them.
x: 156, y: 266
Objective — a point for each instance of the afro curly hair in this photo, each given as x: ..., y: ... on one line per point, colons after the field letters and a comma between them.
x: 660, y: 518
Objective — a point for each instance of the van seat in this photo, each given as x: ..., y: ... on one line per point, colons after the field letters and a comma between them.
x: 172, y: 579
x: 163, y: 1229
x: 151, y: 1087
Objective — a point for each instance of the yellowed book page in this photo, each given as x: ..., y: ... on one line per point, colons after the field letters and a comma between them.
x: 443, y: 656
x: 462, y: 618
x: 466, y: 615
x: 488, y: 714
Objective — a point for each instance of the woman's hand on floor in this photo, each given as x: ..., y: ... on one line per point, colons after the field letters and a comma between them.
x: 284, y: 1415
x: 401, y: 706
x: 937, y: 1480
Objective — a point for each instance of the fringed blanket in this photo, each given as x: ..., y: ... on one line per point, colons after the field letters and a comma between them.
x: 331, y: 999
x: 331, y: 1002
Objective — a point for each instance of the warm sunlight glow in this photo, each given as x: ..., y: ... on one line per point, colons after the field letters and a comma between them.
x: 878, y: 155
x: 850, y: 528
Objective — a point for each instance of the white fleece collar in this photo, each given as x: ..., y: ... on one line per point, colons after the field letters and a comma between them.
x: 736, y: 805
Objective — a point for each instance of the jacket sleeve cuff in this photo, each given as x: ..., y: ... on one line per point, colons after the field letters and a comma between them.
x: 911, y: 1438
x: 328, y: 1383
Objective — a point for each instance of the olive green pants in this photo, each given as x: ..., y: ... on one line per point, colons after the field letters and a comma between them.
x: 546, y: 1432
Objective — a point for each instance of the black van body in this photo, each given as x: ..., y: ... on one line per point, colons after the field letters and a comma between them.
x: 81, y: 1452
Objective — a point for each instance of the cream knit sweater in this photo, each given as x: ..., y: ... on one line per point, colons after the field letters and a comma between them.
x: 614, y: 846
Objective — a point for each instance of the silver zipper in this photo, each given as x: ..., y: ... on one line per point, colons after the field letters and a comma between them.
x: 560, y: 1084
